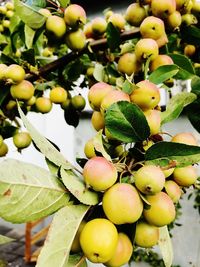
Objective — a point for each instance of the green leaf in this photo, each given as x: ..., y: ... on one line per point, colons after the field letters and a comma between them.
x: 29, y: 15
x: 76, y: 260
x: 28, y: 192
x: 113, y: 36
x: 49, y: 151
x: 99, y: 72
x: 175, y: 106
x: 126, y: 122
x: 165, y: 246
x: 29, y: 36
x: 77, y: 187
x: 64, y: 3
x: 193, y: 114
x: 127, y: 87
x: 183, y: 62
x: 190, y: 33
x: 64, y: 226
x: 171, y: 153
x: 195, y: 85
x: 163, y: 73
x: 5, y: 239
x: 98, y: 145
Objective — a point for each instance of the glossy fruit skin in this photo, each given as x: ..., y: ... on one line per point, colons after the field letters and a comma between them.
x: 122, y: 204
x: 168, y: 172
x: 146, y: 96
x: 153, y: 118
x: 96, y: 94
x: 43, y: 104
x: 58, y: 95
x: 117, y: 20
x: 89, y: 149
x: 1, y: 140
x: 98, y: 240
x: 45, y: 12
x: 78, y: 102
x: 3, y: 68
x: 122, y: 253
x: 56, y: 25
x: 189, y: 50
x: 163, y: 8
x: 76, y: 40
x: 152, y: 27
x: 22, y: 140
x: 97, y: 120
x: 98, y: 25
x: 162, y: 211
x: 74, y: 15
x: 185, y: 176
x: 3, y: 149
x: 173, y: 190
x: 128, y: 64
x: 135, y: 14
x: 99, y: 173
x: 185, y: 138
x: 15, y: 73
x: 146, y: 235
x: 174, y: 20
x: 76, y: 246
x: 149, y: 179
x: 23, y: 90
x: 160, y: 60
x: 146, y: 48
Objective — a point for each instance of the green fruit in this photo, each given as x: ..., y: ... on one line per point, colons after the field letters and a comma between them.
x: 9, y: 14
x: 146, y: 235
x: 162, y: 210
x: 98, y: 25
x: 122, y: 253
x: 149, y: 179
x: 3, y: 10
x: 15, y: 73
x: 22, y: 91
x: 3, y: 149
x: 102, y: 236
x: 43, y: 104
x: 185, y: 176
x: 99, y: 173
x: 135, y: 14
x: 56, y: 25
x: 74, y: 16
x: 89, y: 149
x: 122, y: 204
x: 1, y: 140
x: 6, y: 23
x: 78, y: 102
x: 58, y: 95
x: 9, y: 6
x: 22, y: 140
x: 173, y: 190
x: 76, y: 40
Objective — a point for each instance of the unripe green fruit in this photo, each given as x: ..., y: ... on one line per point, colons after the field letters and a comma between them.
x: 66, y: 104
x: 146, y: 48
x: 3, y: 68
x: 1, y: 28
x: 56, y: 25
x: 78, y: 102
x: 9, y: 6
x: 47, y: 52
x: 185, y: 138
x: 22, y: 91
x: 76, y: 40
x: 98, y: 25
x: 102, y: 236
x: 146, y: 235
x: 11, y: 105
x: 9, y: 14
x: 173, y: 190
x: 185, y: 176
x: 135, y: 14
x: 43, y: 104
x: 149, y: 179
x: 162, y: 210
x: 31, y: 101
x: 122, y: 204
x: 6, y: 23
x: 58, y: 95
x: 76, y: 246
x: 189, y: 19
x: 97, y: 120
x: 22, y: 140
x: 128, y: 64
x: 122, y: 253
x: 3, y: 149
x: 74, y: 15
x: 89, y: 149
x: 99, y: 173
x: 3, y: 10
x: 15, y: 73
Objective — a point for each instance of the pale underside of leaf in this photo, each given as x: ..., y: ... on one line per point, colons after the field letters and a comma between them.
x: 77, y: 188
x: 28, y: 192
x: 64, y: 226
x: 98, y: 145
x: 49, y: 151
x: 5, y: 239
x: 165, y: 246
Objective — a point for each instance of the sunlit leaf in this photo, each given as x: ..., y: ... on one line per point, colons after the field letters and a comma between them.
x: 5, y: 239
x: 163, y: 73
x: 165, y: 246
x: 98, y: 145
x: 29, y: 36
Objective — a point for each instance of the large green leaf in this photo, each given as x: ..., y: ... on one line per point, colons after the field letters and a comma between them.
x: 163, y: 73
x: 165, y: 246
x: 29, y: 15
x: 56, y: 249
x: 175, y: 106
x: 5, y: 240
x: 29, y: 36
x: 190, y: 33
x: 126, y: 122
x: 49, y: 151
x: 77, y: 187
x: 28, y: 192
x: 171, y: 153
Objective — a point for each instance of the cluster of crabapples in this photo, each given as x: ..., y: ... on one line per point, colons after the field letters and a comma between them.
x: 6, y: 13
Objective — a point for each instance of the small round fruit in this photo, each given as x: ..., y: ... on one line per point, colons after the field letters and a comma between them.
x: 189, y: 50
x: 56, y: 25
x: 31, y: 101
x: 122, y: 204
x: 74, y: 15
x: 45, y: 12
x: 185, y: 138
x: 97, y: 120
x: 9, y: 6
x: 160, y: 60
x: 135, y: 14
x: 43, y: 104
x: 162, y: 210
x: 3, y: 10
x: 22, y: 91
x: 78, y: 102
x: 58, y: 95
x: 122, y: 253
x: 185, y: 176
x: 153, y: 118
x: 98, y: 240
x: 98, y: 25
x: 22, y: 140
x: 146, y: 48
x: 173, y: 190
x: 11, y: 105
x: 89, y: 149
x: 9, y: 14
x: 76, y: 246
x: 149, y: 179
x: 128, y: 64
x: 117, y: 20
x: 146, y: 235
x: 76, y: 40
x: 15, y: 73
x: 99, y: 173
x: 6, y: 23
x: 3, y: 68
x: 3, y: 149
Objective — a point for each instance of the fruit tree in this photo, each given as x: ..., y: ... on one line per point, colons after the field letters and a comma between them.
x: 125, y: 192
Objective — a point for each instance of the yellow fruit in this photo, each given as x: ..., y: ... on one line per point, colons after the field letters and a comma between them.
x: 15, y: 73
x: 78, y: 102
x: 3, y: 68
x: 58, y: 95
x: 3, y: 149
x: 146, y: 48
x: 22, y: 140
x: 153, y: 118
x: 43, y: 104
x: 1, y: 140
x: 122, y: 203
x: 97, y: 120
x: 98, y: 240
x: 74, y: 15
x: 128, y: 64
x: 122, y: 253
x: 22, y: 91
x: 173, y: 190
x: 89, y: 149
x: 185, y: 138
x: 56, y: 25
x: 76, y: 40
x: 168, y: 172
x: 45, y: 12
x: 185, y: 176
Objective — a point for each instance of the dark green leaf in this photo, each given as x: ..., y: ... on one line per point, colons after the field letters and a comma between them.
x: 113, y: 36
x: 7, y: 60
x: 126, y: 122
x: 29, y: 56
x: 195, y: 85
x: 163, y: 73
x: 175, y: 106
x: 167, y: 153
x: 71, y: 117
x: 8, y: 131
x: 190, y: 34
x: 193, y: 113
x: 183, y: 62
